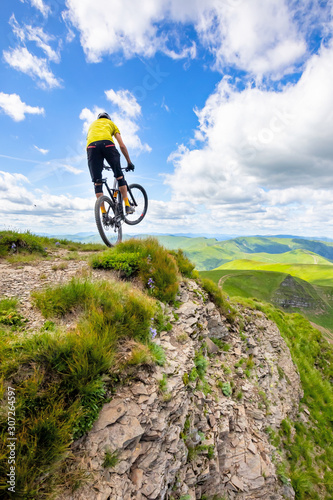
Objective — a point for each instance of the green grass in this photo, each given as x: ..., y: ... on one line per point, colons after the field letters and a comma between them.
x: 26, y: 247
x: 310, y: 451
x: 8, y: 313
x: 110, y: 459
x: 219, y: 298
x: 313, y: 273
x: 154, y: 265
x: 60, y: 377
x: 245, y: 283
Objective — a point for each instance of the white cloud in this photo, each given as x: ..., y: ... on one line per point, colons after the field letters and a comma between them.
x: 256, y: 36
x: 12, y: 105
x: 259, y: 37
x: 127, y: 30
x: 127, y: 126
x: 35, y: 34
x: 22, y: 60
x: 41, y: 150
x: 40, y: 5
x: 21, y: 204
x: 122, y: 28
x: 125, y: 100
x: 263, y: 157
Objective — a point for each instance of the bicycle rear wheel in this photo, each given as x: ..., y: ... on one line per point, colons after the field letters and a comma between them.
x: 138, y: 199
x: 108, y: 224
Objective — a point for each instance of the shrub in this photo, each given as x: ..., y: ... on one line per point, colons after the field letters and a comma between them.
x: 184, y: 264
x: 151, y: 262
x: 126, y: 262
x: 201, y: 364
x: 226, y: 389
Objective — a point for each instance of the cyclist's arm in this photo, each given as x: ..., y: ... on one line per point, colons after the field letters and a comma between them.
x: 122, y: 146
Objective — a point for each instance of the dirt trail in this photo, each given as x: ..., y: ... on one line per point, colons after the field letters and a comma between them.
x: 224, y: 278
x: 19, y: 280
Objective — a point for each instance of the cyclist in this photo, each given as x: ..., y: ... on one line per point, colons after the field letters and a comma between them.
x: 100, y: 146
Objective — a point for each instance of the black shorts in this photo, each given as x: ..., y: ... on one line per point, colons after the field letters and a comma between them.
x: 98, y: 151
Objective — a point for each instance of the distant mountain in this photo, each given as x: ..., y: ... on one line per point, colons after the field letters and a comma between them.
x: 211, y: 252
x: 208, y: 253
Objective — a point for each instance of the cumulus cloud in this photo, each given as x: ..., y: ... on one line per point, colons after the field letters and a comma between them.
x: 264, y: 154
x: 13, y: 106
x: 18, y: 196
x: 22, y: 206
x: 126, y: 124
x: 262, y: 38
x: 22, y: 60
x: 256, y: 36
x: 125, y: 100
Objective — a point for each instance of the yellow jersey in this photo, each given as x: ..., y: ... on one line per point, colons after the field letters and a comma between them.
x: 101, y: 130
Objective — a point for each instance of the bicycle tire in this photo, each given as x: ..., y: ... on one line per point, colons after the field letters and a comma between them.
x: 110, y: 231
x: 137, y: 193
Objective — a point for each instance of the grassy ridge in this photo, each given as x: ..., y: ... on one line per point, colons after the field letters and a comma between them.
x: 316, y: 274
x: 61, y: 377
x: 259, y: 284
x: 308, y: 446
x: 264, y: 285
x: 26, y: 247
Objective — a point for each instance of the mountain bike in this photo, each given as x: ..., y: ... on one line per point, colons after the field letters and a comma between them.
x: 109, y: 224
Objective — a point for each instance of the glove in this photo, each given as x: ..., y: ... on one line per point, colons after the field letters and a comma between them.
x: 130, y: 167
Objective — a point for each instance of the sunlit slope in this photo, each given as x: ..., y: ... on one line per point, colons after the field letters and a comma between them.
x: 313, y: 273
x: 298, y: 256
x: 208, y: 253
x: 315, y: 302
x: 242, y: 283
x: 205, y: 253
x: 260, y: 284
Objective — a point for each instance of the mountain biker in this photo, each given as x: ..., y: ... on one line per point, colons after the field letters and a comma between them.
x: 100, y: 146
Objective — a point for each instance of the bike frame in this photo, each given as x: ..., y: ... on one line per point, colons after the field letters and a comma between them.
x: 116, y: 188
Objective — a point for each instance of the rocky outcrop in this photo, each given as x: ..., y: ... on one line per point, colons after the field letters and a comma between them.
x: 291, y: 294
x: 197, y: 437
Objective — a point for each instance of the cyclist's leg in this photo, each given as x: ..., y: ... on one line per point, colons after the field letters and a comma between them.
x: 95, y: 163
x: 112, y: 156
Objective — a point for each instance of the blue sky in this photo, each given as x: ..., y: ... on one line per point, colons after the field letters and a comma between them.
x: 225, y: 106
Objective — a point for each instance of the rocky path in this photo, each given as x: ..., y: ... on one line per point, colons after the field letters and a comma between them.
x: 19, y: 280
x: 189, y: 441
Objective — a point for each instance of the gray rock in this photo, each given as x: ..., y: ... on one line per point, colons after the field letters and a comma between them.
x: 148, y: 431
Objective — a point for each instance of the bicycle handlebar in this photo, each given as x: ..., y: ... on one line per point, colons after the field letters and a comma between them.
x: 127, y: 169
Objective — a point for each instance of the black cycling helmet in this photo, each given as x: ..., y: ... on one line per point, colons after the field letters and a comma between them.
x: 103, y: 115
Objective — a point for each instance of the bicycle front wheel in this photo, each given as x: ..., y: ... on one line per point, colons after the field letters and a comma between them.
x: 108, y: 223
x: 138, y: 199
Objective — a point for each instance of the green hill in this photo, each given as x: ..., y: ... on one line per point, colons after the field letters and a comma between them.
x: 98, y: 335
x: 285, y: 291
x: 208, y: 253
x: 314, y: 273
